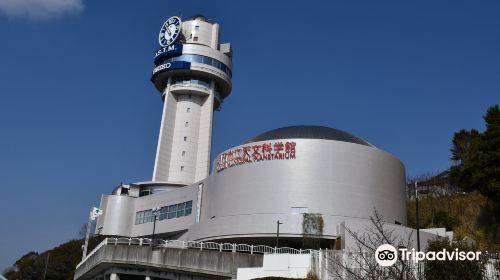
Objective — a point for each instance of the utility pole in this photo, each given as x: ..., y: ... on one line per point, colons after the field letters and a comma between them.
x: 155, y: 214
x: 278, y: 223
x: 46, y: 265
x: 417, y: 219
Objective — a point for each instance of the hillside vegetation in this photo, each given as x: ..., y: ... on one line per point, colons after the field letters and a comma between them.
x: 60, y: 266
x: 467, y: 214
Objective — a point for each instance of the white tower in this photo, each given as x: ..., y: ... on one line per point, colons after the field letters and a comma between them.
x: 193, y: 74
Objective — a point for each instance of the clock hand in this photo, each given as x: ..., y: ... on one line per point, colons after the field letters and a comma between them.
x: 168, y: 30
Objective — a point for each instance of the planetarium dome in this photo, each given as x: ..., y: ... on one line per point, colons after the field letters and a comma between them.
x: 308, y: 132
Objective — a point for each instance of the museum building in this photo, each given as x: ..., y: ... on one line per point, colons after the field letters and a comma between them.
x: 275, y: 178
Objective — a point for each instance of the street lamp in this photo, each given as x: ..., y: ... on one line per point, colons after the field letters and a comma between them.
x: 278, y: 223
x: 155, y: 213
x: 417, y: 213
x: 417, y: 219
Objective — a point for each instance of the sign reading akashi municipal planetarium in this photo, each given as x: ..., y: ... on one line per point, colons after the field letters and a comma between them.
x: 255, y: 153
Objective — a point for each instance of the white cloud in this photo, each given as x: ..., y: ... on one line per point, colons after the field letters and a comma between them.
x: 40, y: 9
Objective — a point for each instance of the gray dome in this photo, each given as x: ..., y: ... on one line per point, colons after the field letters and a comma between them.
x: 199, y: 17
x: 308, y: 132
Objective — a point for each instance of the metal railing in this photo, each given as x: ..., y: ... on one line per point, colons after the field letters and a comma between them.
x: 231, y: 247
x: 222, y: 247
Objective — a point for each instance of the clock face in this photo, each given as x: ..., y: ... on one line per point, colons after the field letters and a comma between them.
x: 169, y: 31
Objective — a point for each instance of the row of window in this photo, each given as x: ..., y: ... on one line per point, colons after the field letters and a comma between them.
x: 188, y: 80
x: 196, y: 27
x: 165, y: 212
x: 200, y: 59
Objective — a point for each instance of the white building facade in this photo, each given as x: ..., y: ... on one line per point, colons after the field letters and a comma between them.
x: 273, y: 179
x: 276, y: 176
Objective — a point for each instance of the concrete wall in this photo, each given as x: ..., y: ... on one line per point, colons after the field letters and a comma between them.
x: 187, y: 261
x: 402, y: 235
x: 278, y: 265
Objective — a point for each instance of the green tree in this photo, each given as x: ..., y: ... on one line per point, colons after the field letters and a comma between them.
x: 478, y: 158
x: 463, y: 143
x: 453, y: 269
x: 444, y: 219
x: 29, y: 266
x: 61, y: 263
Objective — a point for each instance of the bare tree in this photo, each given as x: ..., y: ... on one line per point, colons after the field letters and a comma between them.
x: 359, y: 261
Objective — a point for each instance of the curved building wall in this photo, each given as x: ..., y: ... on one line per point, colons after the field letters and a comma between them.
x: 117, y: 217
x: 201, y: 32
x: 169, y: 226
x: 337, y: 179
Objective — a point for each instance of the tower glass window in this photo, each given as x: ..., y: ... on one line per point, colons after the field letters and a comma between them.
x: 199, y: 59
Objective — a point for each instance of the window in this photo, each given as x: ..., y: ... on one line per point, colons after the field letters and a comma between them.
x: 144, y: 192
x: 189, y: 207
x: 166, y: 212
x: 163, y: 213
x: 299, y: 210
x: 186, y: 124
x: 195, y: 38
x: 138, y: 217
x: 207, y: 60
x: 199, y: 59
x: 183, y: 153
x: 188, y: 109
x: 172, y: 211
x: 182, y: 168
x: 185, y: 138
x: 196, y: 27
x: 148, y: 216
x: 180, y: 209
x: 145, y: 216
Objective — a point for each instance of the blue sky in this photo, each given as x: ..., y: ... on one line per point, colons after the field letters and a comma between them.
x: 78, y: 114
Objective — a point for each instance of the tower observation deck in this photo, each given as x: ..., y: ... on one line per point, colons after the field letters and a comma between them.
x: 193, y: 74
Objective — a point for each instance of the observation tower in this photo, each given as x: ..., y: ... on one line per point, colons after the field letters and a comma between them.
x: 193, y: 74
